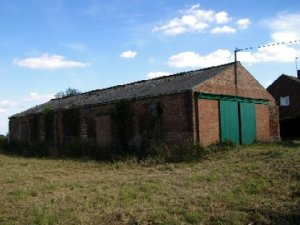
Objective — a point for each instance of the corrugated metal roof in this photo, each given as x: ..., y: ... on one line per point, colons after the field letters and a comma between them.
x: 146, y: 88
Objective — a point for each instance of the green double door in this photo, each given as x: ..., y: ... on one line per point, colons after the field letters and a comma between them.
x: 238, y: 121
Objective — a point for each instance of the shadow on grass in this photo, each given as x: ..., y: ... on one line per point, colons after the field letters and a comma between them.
x: 264, y: 217
x: 291, y: 142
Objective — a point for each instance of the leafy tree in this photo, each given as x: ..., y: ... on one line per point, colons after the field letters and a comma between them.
x: 69, y: 92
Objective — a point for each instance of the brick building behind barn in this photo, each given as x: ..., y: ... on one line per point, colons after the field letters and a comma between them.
x: 286, y: 91
x: 202, y: 105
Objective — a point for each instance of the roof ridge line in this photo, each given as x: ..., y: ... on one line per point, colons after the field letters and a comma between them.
x: 147, y: 80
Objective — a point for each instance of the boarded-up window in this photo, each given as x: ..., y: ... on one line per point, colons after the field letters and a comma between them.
x: 49, y: 126
x: 104, y: 132
x: 34, y: 128
x: 91, y: 128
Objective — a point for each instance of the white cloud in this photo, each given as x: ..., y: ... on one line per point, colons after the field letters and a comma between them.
x: 6, y: 107
x: 47, y: 61
x: 243, y: 23
x: 195, y: 19
x: 7, y: 103
x: 3, y: 121
x: 285, y: 36
x: 285, y: 27
x: 156, y: 74
x: 40, y: 98
x: 193, y: 59
x: 128, y: 54
x: 223, y: 30
x: 222, y: 17
x: 279, y: 53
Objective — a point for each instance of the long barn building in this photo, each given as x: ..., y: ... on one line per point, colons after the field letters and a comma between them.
x: 206, y: 106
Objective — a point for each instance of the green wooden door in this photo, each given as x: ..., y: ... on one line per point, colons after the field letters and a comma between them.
x: 229, y: 116
x: 248, y: 122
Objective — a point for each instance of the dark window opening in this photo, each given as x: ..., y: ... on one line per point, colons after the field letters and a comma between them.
x: 71, y: 123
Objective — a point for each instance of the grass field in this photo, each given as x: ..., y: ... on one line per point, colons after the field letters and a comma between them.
x: 258, y: 184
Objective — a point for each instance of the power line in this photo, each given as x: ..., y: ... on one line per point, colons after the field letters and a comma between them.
x: 258, y: 47
x: 266, y: 45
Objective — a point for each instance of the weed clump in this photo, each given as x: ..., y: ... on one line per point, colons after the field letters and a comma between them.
x: 187, y: 151
x: 40, y: 217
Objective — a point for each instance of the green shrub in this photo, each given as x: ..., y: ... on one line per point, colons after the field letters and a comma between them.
x: 3, y: 142
x: 221, y: 147
x: 40, y: 217
x: 106, y: 153
x: 31, y: 150
x: 73, y: 148
x: 186, y: 151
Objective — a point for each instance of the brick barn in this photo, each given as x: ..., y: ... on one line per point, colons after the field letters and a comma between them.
x: 286, y: 91
x: 206, y: 106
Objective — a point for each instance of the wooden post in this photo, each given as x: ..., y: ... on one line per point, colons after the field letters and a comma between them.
x: 235, y: 67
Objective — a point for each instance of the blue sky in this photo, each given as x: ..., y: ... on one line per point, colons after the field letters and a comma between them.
x: 47, y: 46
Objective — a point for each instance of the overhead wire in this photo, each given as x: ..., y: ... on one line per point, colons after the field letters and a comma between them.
x: 267, y: 45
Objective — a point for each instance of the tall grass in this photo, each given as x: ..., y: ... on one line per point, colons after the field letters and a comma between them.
x: 258, y: 184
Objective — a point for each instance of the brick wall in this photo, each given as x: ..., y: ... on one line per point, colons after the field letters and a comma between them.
x: 15, y: 129
x: 209, y: 128
x: 224, y: 83
x: 274, y: 123
x: 175, y: 122
x: 249, y: 87
x: 103, y: 130
x: 262, y: 123
x: 96, y: 126
x: 177, y: 117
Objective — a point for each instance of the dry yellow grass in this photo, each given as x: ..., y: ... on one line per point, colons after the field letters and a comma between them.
x: 259, y: 184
